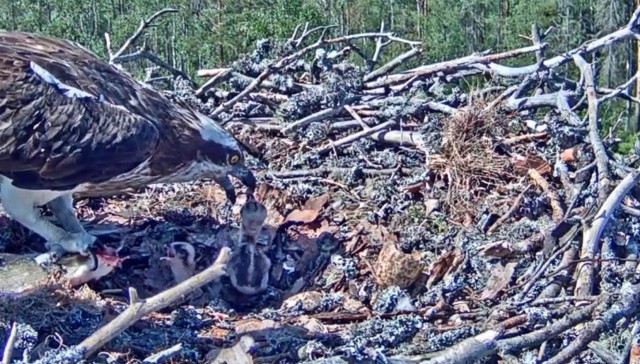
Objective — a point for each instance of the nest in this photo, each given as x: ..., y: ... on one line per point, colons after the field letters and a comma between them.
x: 469, y: 161
x: 53, y: 307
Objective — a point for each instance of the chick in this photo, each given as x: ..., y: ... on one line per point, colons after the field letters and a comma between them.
x: 82, y: 269
x: 253, y: 215
x: 249, y: 266
x: 181, y: 257
x: 21, y: 274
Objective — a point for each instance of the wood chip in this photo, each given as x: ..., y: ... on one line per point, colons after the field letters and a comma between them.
x: 446, y: 263
x: 394, y: 267
x: 501, y: 275
x: 310, y: 212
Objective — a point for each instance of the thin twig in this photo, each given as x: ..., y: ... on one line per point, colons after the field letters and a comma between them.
x: 7, y: 355
x: 508, y: 214
x: 329, y: 170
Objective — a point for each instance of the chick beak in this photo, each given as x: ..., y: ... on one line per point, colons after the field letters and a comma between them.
x: 93, y: 252
x: 169, y: 252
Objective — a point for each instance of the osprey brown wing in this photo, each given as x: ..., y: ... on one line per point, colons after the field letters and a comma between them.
x: 77, y: 67
x: 64, y: 124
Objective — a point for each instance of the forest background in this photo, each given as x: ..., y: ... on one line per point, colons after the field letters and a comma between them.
x: 214, y: 33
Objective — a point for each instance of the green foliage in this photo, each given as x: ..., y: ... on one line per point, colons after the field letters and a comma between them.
x: 214, y: 32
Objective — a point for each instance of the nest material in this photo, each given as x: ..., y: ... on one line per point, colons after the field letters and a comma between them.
x: 51, y: 307
x: 469, y: 161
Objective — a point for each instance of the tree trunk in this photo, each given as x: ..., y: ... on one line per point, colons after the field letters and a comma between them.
x: 633, y: 126
x: 220, y: 43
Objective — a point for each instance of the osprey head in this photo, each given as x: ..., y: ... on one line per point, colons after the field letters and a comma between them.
x: 222, y: 154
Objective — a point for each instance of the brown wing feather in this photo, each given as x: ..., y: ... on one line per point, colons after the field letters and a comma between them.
x: 49, y: 140
x: 75, y: 66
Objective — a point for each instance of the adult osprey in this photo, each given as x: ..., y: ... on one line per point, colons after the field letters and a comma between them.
x: 72, y: 123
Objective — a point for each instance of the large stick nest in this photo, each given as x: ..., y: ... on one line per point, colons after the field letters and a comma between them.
x: 355, y: 161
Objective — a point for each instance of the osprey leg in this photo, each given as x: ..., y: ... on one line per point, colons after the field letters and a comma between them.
x: 62, y: 208
x: 21, y: 205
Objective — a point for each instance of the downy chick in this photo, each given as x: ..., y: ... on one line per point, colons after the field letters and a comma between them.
x: 249, y: 266
x: 82, y: 269
x: 20, y: 274
x: 181, y: 257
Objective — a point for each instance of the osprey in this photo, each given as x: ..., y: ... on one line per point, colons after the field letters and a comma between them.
x: 71, y: 123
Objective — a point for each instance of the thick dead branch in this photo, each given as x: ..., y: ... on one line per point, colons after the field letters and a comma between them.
x: 320, y: 115
x: 379, y: 45
x: 608, y: 356
x: 381, y: 35
x: 354, y: 137
x: 626, y: 32
x: 468, y: 350
x: 602, y: 160
x: 626, y: 307
x: 424, y: 71
x: 393, y: 64
x: 212, y: 72
x: 139, y: 308
x: 591, y: 240
x: 539, y: 336
x: 218, y: 77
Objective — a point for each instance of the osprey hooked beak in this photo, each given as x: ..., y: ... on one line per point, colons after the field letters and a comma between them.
x: 245, y: 176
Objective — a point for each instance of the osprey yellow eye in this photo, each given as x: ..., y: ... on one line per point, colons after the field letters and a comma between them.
x: 234, y: 158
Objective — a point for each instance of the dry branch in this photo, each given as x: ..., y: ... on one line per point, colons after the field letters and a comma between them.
x: 354, y: 137
x: 163, y: 355
x: 626, y: 307
x: 556, y: 205
x: 320, y: 115
x: 276, y: 66
x: 591, y: 240
x: 393, y: 64
x: 549, y: 332
x: 142, y: 52
x: 7, y: 354
x: 144, y: 24
x: 424, y: 71
x: 468, y: 350
x: 602, y: 160
x: 139, y: 308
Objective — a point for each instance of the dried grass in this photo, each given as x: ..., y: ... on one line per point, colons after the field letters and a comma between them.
x: 468, y: 160
x: 48, y: 306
